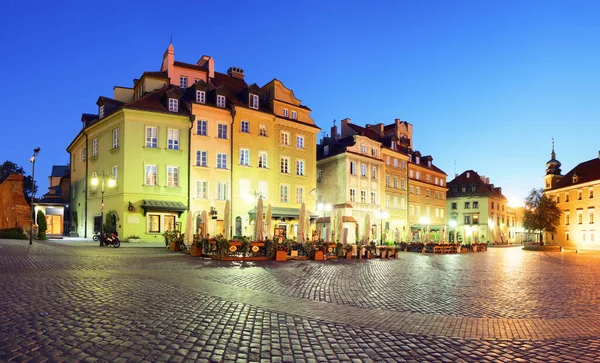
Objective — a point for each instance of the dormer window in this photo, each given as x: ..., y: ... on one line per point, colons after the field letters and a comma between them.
x: 286, y: 113
x: 200, y: 96
x: 173, y: 104
x: 468, y: 175
x: 253, y: 102
x: 101, y: 112
x: 429, y: 163
x: 575, y: 178
x: 220, y: 101
x: 294, y: 115
x: 183, y: 82
x: 393, y: 146
x: 417, y: 160
x: 326, y: 150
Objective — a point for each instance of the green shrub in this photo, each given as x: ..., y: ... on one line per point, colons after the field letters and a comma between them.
x: 42, y: 226
x: 12, y: 233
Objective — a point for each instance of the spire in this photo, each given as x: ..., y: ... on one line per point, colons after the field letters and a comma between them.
x: 553, y: 165
x: 553, y: 154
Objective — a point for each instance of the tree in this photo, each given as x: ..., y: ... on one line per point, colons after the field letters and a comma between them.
x: 541, y: 213
x: 8, y: 168
x: 42, y: 225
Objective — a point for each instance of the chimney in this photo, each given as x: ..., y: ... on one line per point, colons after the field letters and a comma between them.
x: 208, y: 62
x: 235, y: 72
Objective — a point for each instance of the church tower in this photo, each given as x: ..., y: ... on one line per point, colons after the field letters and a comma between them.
x: 552, y: 171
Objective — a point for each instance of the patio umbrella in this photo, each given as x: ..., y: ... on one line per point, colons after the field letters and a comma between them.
x: 204, y: 223
x: 368, y: 228
x: 332, y: 227
x: 302, y: 224
x: 269, y: 222
x: 308, y: 236
x: 258, y: 225
x: 340, y: 226
x: 189, y: 228
x: 227, y: 220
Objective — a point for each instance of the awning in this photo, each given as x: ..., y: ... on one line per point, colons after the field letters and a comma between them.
x: 345, y: 219
x: 282, y: 212
x: 163, y: 205
x: 432, y: 227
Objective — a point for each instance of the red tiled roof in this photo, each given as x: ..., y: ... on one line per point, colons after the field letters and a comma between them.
x: 474, y: 179
x: 152, y: 102
x: 155, y: 74
x: 586, y: 172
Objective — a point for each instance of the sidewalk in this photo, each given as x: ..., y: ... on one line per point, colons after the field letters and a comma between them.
x: 88, y: 242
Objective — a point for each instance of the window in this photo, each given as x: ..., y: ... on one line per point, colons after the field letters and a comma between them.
x: 437, y: 195
x: 326, y: 150
x: 244, y: 157
x: 396, y: 182
x: 403, y: 203
x: 427, y: 211
x: 476, y: 219
x: 94, y: 187
x: 388, y: 201
x: 436, y: 180
x: 263, y: 189
x: 95, y: 147
x: 363, y: 148
x: 352, y: 195
x: 319, y: 174
x: 152, y: 137
x: 464, y: 190
x: 201, y: 189
x: 454, y: 206
x: 245, y: 126
x: 153, y: 223
x: 580, y: 217
x: 353, y: 168
x: 590, y: 216
x: 374, y: 172
x: 221, y: 161
x: 591, y: 193
x: 441, y: 213
x: 411, y: 173
x: 222, y: 131
x: 183, y: 82
x: 286, y: 113
x: 150, y: 175
x: 173, y: 104
x: 395, y: 163
x: 363, y: 196
x: 84, y: 154
x: 299, y: 195
x: 200, y: 96
x: 403, y: 164
x: 418, y: 190
x: 388, y: 181
x: 300, y: 167
x: 284, y: 193
x: 475, y: 205
x: 412, y: 209
x: 285, y: 138
x: 220, y: 101
x: 253, y: 101
x: 284, y: 165
x: 262, y: 130
x: 300, y: 142
x: 427, y: 193
x: 373, y: 198
x: 294, y: 115
x: 363, y: 170
x: 263, y: 159
x: 579, y: 193
x: 403, y: 184
x: 467, y: 205
x: 172, y: 176
x: 567, y: 235
x: 201, y: 127
x: 411, y: 189
x: 222, y: 193
x: 567, y: 218
x: 492, y: 205
x: 427, y: 178
x: 373, y: 152
x: 567, y: 197
x: 467, y: 219
x: 387, y: 160
x: 115, y: 138
x: 115, y: 173
x: 200, y: 158
x: 173, y: 139
x: 101, y: 112
x: 418, y: 175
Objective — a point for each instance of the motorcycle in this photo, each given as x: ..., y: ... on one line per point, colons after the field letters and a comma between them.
x: 111, y: 239
x: 96, y: 236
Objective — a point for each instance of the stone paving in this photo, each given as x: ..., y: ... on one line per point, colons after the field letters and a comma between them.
x: 78, y: 302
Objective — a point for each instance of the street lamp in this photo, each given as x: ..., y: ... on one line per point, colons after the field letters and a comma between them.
x: 32, y: 160
x: 111, y: 183
x: 381, y: 214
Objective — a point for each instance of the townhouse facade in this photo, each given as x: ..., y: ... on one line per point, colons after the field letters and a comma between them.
x: 185, y: 139
x: 478, y: 212
x: 576, y: 194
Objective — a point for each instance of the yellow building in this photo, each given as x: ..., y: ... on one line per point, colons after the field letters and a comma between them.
x: 576, y: 194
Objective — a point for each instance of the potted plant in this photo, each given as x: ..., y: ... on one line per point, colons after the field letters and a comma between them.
x: 383, y: 251
x: 197, y: 245
x: 134, y: 238
x: 348, y: 249
x: 339, y: 248
x: 281, y: 249
x: 171, y: 239
x: 319, y: 250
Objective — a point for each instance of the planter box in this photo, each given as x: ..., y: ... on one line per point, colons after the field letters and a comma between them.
x: 280, y: 255
x: 383, y: 254
x: 173, y: 246
x: 294, y: 253
x: 195, y: 251
x: 348, y: 255
x: 318, y: 256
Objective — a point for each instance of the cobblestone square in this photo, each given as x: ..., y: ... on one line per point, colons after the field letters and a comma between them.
x: 64, y: 301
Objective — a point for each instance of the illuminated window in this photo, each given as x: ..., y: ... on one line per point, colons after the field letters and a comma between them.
x: 262, y: 130
x: 172, y: 176
x: 363, y: 196
x: 352, y: 195
x: 285, y: 138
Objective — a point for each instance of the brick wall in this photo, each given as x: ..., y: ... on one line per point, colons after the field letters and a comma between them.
x: 14, y: 209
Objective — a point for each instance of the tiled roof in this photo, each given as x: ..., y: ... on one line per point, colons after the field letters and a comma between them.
x: 472, y: 180
x: 156, y: 101
x: 586, y: 172
x: 155, y: 74
x: 59, y: 170
x: 336, y: 147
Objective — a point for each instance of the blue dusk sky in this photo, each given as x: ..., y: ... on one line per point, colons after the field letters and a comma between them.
x: 485, y: 84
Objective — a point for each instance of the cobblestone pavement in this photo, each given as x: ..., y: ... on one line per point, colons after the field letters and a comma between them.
x: 61, y: 302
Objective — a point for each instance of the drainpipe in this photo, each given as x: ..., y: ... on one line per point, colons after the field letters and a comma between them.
x: 85, y: 189
x: 192, y: 119
x: 233, y: 112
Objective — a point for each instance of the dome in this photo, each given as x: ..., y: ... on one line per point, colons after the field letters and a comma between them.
x: 553, y: 165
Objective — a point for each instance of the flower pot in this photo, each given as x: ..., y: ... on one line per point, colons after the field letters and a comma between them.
x: 280, y: 255
x: 195, y: 251
x: 173, y: 246
x: 368, y: 254
x: 383, y: 253
x: 318, y: 256
x: 348, y: 255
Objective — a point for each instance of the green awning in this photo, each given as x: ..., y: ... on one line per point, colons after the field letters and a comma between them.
x: 282, y: 212
x: 163, y: 205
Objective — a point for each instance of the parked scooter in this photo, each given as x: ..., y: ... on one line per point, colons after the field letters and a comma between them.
x: 96, y: 236
x: 111, y: 239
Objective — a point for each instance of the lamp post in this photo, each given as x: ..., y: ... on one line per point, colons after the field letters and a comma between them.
x: 381, y: 214
x: 32, y: 159
x: 111, y: 183
x: 324, y: 208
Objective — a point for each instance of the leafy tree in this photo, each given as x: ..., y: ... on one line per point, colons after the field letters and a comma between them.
x: 8, y: 168
x: 42, y: 226
x: 111, y: 221
x: 541, y: 213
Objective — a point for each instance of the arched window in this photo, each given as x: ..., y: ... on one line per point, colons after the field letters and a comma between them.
x: 238, y: 226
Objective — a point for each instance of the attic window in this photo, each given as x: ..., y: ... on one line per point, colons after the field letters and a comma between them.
x: 294, y: 115
x: 429, y: 163
x: 173, y: 104
x: 253, y: 101
x: 326, y: 150
x: 468, y: 175
x: 101, y: 112
x: 575, y: 178
x: 220, y: 101
x: 393, y: 146
x: 286, y: 113
x: 418, y: 160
